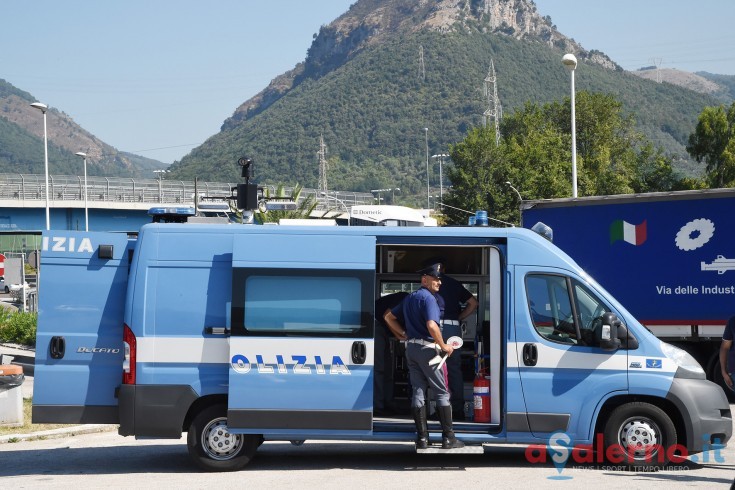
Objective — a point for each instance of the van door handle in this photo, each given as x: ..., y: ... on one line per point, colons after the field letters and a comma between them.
x: 57, y: 347
x: 359, y: 352
x: 530, y: 354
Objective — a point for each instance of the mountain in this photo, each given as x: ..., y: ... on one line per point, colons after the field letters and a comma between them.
x: 722, y: 87
x: 386, y: 69
x: 21, y: 142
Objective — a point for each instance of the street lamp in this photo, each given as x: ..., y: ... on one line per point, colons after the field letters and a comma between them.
x: 520, y: 202
x: 160, y: 173
x: 379, y: 191
x: 570, y: 62
x: 441, y: 158
x: 43, y: 108
x: 426, y: 134
x: 86, y: 209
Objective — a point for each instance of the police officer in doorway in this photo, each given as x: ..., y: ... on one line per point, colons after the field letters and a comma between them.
x: 421, y: 314
x: 455, y: 295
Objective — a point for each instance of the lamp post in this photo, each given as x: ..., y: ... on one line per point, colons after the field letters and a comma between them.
x: 160, y: 173
x: 441, y: 157
x: 86, y: 209
x: 379, y: 191
x: 520, y: 202
x: 426, y: 134
x: 570, y: 62
x: 43, y: 108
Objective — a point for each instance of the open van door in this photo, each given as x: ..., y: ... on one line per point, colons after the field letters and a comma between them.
x: 301, y: 345
x: 79, y: 348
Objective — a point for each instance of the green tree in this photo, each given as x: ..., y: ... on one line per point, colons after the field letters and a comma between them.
x: 713, y: 141
x: 534, y: 154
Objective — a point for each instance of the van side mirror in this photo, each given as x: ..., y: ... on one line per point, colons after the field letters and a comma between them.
x: 627, y: 339
x: 608, y: 332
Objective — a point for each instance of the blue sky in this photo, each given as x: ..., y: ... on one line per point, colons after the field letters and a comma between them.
x: 158, y: 78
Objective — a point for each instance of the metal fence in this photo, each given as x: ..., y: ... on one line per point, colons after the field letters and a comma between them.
x: 31, y: 187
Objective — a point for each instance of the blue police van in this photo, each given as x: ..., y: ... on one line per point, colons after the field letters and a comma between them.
x: 238, y: 335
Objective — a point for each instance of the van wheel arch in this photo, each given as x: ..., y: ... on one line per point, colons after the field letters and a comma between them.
x: 200, y: 404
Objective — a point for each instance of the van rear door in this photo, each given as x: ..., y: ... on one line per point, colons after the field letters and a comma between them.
x: 80, y: 326
x: 301, y: 348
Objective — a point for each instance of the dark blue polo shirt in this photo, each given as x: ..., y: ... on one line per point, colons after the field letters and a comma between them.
x: 418, y: 308
x: 453, y: 293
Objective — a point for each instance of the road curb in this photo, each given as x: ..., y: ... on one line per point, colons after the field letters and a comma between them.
x: 57, y: 433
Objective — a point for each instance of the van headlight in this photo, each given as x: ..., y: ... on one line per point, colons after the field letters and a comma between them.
x: 685, y: 362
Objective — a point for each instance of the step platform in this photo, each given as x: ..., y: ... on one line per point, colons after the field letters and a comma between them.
x: 463, y: 450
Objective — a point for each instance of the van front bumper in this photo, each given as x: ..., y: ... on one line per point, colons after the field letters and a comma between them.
x: 706, y: 413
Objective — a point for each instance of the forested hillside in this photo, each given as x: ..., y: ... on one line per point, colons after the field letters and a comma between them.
x: 373, y: 109
x: 21, y: 142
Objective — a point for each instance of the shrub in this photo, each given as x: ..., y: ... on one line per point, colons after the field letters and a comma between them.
x: 18, y: 327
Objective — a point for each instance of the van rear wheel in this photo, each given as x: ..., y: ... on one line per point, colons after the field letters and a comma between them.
x: 642, y: 435
x: 213, y: 447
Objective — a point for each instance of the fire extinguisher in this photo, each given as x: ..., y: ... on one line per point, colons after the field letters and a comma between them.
x: 481, y: 392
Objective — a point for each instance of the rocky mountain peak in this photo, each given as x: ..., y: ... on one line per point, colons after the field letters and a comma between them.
x: 369, y: 22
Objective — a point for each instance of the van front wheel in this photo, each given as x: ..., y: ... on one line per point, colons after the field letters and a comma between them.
x: 639, y: 434
x: 213, y: 447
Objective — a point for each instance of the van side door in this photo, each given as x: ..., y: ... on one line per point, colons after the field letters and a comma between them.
x: 564, y: 372
x: 301, y: 347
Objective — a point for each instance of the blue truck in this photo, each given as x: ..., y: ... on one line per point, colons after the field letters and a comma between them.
x: 668, y: 257
x: 243, y: 334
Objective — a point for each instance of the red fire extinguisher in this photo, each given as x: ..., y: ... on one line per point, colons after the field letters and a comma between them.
x: 481, y: 392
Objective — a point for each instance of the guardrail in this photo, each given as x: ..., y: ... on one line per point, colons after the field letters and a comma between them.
x: 31, y: 187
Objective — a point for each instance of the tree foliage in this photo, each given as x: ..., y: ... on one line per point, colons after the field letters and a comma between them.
x: 713, y: 142
x: 534, y: 157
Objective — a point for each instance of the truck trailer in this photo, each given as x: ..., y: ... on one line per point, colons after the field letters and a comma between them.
x: 669, y: 257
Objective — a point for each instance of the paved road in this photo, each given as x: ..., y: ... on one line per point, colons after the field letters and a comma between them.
x: 106, y: 460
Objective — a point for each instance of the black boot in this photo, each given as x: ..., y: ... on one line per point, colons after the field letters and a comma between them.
x: 422, y: 431
x: 448, y: 439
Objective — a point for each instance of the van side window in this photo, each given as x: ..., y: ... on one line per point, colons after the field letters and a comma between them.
x: 302, y: 302
x: 563, y: 309
x: 551, y: 308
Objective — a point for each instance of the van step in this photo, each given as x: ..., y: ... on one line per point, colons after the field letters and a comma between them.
x: 462, y: 450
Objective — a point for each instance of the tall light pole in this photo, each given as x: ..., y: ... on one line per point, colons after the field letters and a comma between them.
x: 441, y: 158
x: 86, y: 209
x: 520, y: 202
x: 43, y: 108
x: 426, y: 134
x: 160, y: 173
x: 570, y: 62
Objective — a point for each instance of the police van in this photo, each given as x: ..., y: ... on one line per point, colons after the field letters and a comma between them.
x: 238, y: 335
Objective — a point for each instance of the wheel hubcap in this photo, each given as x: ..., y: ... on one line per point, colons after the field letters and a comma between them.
x: 640, y: 438
x: 218, y: 442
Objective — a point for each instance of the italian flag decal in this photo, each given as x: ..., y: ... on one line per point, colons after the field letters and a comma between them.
x: 628, y: 232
